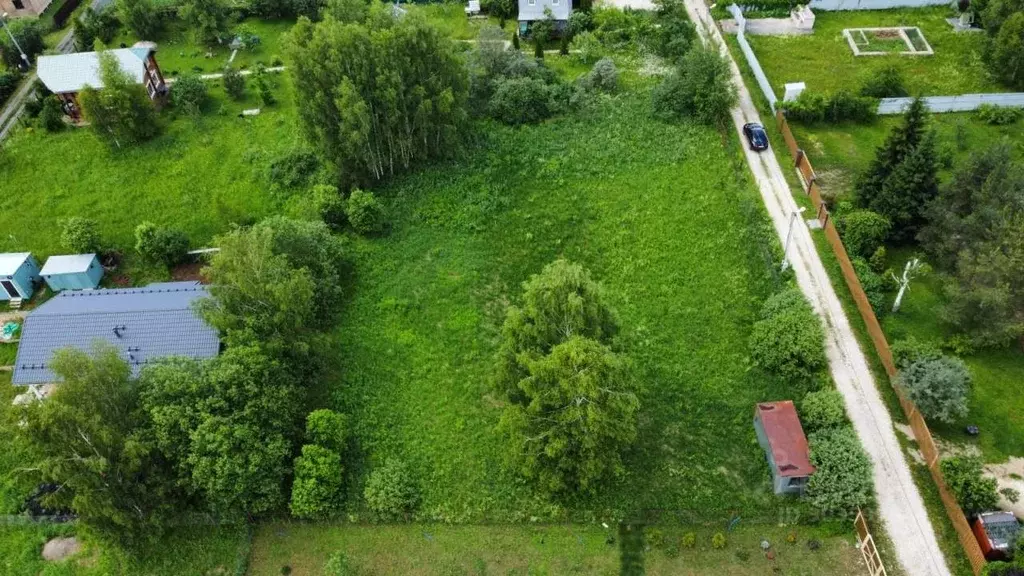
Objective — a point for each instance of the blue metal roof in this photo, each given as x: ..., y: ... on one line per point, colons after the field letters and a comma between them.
x: 144, y: 324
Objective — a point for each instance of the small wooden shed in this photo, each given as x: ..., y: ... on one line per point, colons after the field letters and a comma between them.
x: 785, y: 446
x: 72, y: 272
x: 996, y: 533
x: 18, y: 271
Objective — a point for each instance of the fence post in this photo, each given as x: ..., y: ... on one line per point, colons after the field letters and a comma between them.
x: 799, y: 157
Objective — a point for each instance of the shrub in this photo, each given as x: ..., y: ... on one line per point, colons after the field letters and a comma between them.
x: 293, y: 168
x: 580, y: 22
x: 700, y: 88
x: 188, y: 93
x: 328, y: 429
x: 330, y: 205
x: 1006, y: 59
x: 885, y: 82
x: 998, y: 115
x: 842, y: 481
x: 841, y: 106
x: 878, y: 259
x: 80, y: 236
x: 159, y: 244
x: 586, y: 48
x: 338, y: 565
x: 604, y: 76
x: 654, y: 537
x: 789, y: 342
x: 974, y: 492
x: 823, y: 410
x: 520, y: 101
x: 8, y: 84
x: 390, y: 492
x: 873, y: 284
x: 29, y: 34
x: 718, y: 541
x: 689, y: 540
x: 317, y: 489
x: 938, y: 387
x: 908, y: 350
x: 808, y: 108
x: 234, y: 83
x: 51, y: 117
x: 863, y: 232
x: 364, y: 212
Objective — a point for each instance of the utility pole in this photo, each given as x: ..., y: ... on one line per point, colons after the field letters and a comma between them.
x: 25, y: 63
x: 789, y: 237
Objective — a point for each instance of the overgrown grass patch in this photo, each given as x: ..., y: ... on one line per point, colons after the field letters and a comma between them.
x: 825, y: 62
x: 660, y: 215
x: 428, y: 549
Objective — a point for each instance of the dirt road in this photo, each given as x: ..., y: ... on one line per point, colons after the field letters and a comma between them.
x: 900, y: 504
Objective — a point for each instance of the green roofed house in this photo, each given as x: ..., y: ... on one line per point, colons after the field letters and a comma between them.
x: 785, y: 446
x: 18, y: 273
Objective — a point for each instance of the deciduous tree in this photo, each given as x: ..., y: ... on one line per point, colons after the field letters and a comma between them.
x: 140, y: 16
x: 842, y: 481
x: 121, y: 113
x: 209, y: 20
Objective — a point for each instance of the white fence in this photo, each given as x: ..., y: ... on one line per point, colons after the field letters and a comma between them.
x: 748, y: 53
x: 873, y: 4
x: 962, y: 103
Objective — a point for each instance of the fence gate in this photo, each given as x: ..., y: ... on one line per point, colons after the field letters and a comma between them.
x: 867, y: 547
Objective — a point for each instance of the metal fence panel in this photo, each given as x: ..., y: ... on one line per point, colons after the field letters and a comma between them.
x: 962, y: 103
x: 873, y: 4
x: 748, y: 53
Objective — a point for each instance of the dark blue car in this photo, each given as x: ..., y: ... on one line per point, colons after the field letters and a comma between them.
x: 756, y: 136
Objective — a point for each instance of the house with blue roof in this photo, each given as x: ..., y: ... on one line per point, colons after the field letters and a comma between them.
x: 143, y: 324
x: 68, y: 74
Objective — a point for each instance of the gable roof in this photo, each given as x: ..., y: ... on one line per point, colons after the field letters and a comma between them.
x: 144, y: 324
x: 69, y: 264
x: 63, y: 73
x: 10, y: 262
x: 786, y: 438
x: 530, y: 12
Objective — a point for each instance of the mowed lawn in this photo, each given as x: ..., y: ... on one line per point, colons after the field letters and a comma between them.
x: 659, y: 214
x: 200, y: 175
x: 826, y: 63
x: 422, y: 550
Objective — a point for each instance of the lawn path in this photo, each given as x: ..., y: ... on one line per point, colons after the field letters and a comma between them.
x: 902, y: 508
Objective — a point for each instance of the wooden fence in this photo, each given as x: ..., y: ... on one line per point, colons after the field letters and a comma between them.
x: 881, y: 345
x: 867, y: 546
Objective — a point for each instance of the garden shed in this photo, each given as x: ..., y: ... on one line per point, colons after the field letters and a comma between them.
x: 785, y: 446
x: 996, y: 533
x: 72, y: 272
x: 18, y: 271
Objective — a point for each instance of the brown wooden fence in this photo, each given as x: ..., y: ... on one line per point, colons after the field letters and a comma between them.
x: 867, y: 546
x: 917, y: 423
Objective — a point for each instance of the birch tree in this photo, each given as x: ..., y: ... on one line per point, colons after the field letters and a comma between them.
x: 378, y: 97
x: 121, y: 112
x: 912, y: 269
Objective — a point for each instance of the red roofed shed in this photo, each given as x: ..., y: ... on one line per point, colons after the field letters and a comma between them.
x: 782, y: 437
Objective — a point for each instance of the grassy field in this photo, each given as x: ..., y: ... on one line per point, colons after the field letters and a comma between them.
x: 450, y: 18
x: 200, y: 175
x: 177, y: 52
x: 421, y: 550
x: 660, y: 214
x: 826, y: 63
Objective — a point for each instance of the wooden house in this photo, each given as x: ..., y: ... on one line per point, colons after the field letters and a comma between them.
x: 68, y: 74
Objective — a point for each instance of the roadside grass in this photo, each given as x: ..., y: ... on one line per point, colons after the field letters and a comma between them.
x: 659, y: 215
x: 178, y: 53
x: 450, y: 18
x: 429, y: 549
x: 200, y: 175
x: 8, y: 351
x: 825, y: 62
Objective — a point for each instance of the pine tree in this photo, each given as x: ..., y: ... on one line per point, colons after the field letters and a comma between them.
x: 901, y: 141
x: 515, y: 40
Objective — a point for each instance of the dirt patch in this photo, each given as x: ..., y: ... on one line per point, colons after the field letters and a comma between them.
x: 188, y: 272
x: 61, y: 549
x: 1009, y: 474
x: 121, y: 280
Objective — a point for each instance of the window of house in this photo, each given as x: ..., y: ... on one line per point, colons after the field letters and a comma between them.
x: 533, y: 2
x: 798, y: 481
x: 19, y: 5
x: 554, y: 2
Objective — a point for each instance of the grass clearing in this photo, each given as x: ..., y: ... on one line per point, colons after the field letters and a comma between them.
x: 200, y: 175
x: 451, y: 19
x: 421, y: 550
x: 825, y: 62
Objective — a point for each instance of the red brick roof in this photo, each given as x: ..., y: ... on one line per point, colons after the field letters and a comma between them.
x: 786, y: 438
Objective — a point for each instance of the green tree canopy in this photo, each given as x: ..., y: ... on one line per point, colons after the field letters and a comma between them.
x: 579, y: 415
x: 378, y: 97
x: 561, y: 302
x: 90, y: 439
x: 701, y: 87
x: 842, y: 481
x: 318, y: 488
x: 974, y: 492
x: 1007, y: 58
x: 121, y: 113
x: 939, y: 387
x: 29, y: 34
x: 209, y: 20
x: 140, y: 16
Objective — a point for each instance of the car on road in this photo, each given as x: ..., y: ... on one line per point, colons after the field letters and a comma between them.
x: 756, y: 136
